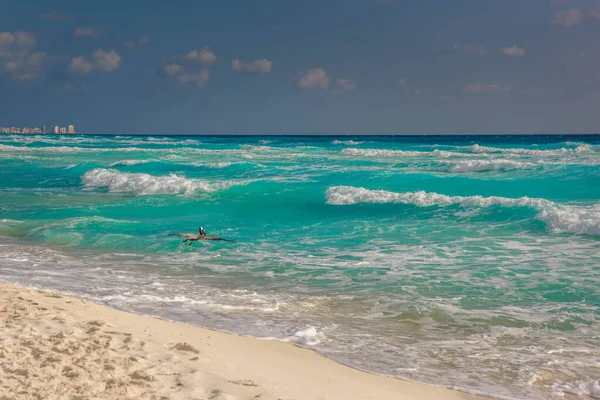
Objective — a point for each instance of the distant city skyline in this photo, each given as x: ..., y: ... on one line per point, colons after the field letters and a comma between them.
x: 53, y: 129
x: 326, y: 67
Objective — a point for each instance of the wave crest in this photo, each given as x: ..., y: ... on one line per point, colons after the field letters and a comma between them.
x: 129, y: 162
x: 558, y: 217
x: 346, y: 142
x: 381, y: 152
x: 584, y: 148
x: 488, y: 165
x: 145, y: 184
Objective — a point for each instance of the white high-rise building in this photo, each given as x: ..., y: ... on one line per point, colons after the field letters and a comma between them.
x: 71, y: 129
x: 56, y: 129
x: 63, y: 130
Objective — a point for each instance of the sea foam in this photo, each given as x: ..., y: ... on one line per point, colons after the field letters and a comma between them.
x: 590, y: 389
x: 584, y: 148
x: 129, y: 162
x: 381, y: 152
x: 346, y: 142
x: 145, y: 184
x: 465, y: 166
x: 558, y: 217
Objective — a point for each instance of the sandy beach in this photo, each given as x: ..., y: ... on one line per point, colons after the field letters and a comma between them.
x: 52, y: 346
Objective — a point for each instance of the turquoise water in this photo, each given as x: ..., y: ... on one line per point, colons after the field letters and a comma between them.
x: 468, y: 262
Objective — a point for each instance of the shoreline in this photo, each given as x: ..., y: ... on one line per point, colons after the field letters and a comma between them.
x: 55, y: 345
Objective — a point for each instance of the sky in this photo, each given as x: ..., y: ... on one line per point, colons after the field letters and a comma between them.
x: 302, y: 67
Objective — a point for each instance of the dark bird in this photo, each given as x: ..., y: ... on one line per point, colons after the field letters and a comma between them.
x: 194, y: 237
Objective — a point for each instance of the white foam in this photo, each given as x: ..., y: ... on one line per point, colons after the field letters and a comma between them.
x: 399, y: 153
x: 590, y: 389
x: 584, y: 148
x: 381, y: 152
x: 346, y: 142
x: 222, y: 164
x: 145, y: 184
x: 487, y: 165
x: 129, y: 162
x: 258, y: 148
x: 559, y: 217
x: 11, y: 221
x: 66, y: 149
x: 308, y: 336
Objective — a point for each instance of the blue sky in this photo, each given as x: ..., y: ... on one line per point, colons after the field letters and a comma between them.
x: 302, y: 67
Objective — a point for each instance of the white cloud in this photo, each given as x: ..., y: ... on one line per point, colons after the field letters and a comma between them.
x: 173, y: 69
x: 569, y: 17
x: 100, y: 60
x: 478, y: 49
x: 258, y: 66
x: 106, y: 61
x: 88, y: 31
x: 6, y: 39
x: 17, y: 58
x: 513, y: 51
x: 25, y: 40
x: 198, y: 79
x: 26, y: 66
x: 137, y: 43
x: 402, y: 81
x: 315, y: 77
x: 177, y: 72
x: 21, y: 39
x: 346, y: 84
x: 486, y: 88
x: 342, y: 86
x: 204, y: 56
x: 80, y: 66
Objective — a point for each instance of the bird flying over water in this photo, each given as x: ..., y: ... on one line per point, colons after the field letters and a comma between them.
x: 201, y: 235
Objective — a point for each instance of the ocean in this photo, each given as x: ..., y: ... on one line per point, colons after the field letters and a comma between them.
x: 469, y: 262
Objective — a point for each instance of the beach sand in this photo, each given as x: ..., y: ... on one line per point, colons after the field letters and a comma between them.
x: 56, y: 347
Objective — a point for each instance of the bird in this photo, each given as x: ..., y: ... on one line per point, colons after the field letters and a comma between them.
x: 201, y: 235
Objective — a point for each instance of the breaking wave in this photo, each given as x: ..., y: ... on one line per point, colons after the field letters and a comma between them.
x: 222, y: 164
x: 380, y: 152
x: 129, y: 162
x: 590, y: 389
x: 584, y: 148
x: 346, y: 142
x: 472, y: 151
x: 466, y: 166
x: 559, y: 218
x: 145, y: 184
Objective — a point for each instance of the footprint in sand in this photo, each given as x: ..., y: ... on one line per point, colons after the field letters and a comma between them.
x: 183, y: 346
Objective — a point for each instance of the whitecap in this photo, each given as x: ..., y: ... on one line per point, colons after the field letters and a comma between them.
x: 584, y: 148
x: 559, y: 217
x: 381, y: 152
x: 346, y: 142
x: 129, y: 162
x: 465, y: 166
x: 145, y: 184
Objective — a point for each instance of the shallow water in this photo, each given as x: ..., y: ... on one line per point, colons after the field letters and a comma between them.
x: 468, y: 262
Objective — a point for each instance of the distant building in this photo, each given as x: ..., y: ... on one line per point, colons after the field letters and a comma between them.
x: 55, y: 129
